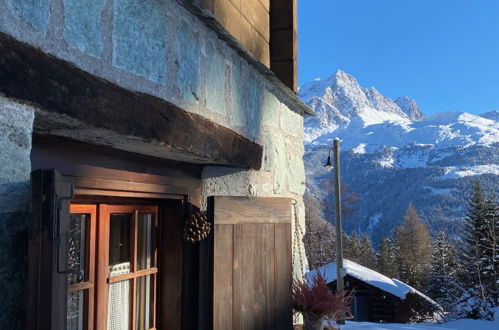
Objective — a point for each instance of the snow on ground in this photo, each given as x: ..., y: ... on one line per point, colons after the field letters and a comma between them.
x: 373, y: 221
x: 360, y: 149
x: 438, y: 191
x: 413, y: 160
x: 387, y: 161
x: 453, y: 172
x: 464, y: 324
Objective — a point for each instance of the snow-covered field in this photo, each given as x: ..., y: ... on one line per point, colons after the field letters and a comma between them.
x: 464, y: 324
x: 454, y: 325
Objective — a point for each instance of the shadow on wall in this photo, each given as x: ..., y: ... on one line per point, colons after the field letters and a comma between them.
x: 13, y: 252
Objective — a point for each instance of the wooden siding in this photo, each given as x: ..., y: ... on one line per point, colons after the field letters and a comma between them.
x: 248, y: 21
x: 284, y: 41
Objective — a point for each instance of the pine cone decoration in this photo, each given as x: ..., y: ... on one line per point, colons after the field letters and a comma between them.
x: 196, y: 228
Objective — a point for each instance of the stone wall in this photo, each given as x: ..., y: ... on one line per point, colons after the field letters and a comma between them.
x: 160, y: 48
x: 16, y: 123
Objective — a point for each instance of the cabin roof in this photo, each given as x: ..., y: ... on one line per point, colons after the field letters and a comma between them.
x: 371, y: 277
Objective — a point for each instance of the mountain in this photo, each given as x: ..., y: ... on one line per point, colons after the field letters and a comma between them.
x: 392, y: 154
x: 494, y: 115
x: 409, y: 107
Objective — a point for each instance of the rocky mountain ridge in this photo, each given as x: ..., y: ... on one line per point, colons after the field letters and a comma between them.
x: 392, y: 154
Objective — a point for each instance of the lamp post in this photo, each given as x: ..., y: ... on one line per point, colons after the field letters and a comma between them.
x: 339, y: 242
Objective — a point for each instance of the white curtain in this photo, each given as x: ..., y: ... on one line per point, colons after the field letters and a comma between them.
x: 118, y: 316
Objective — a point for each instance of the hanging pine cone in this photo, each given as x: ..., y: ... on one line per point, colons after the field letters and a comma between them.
x: 196, y: 228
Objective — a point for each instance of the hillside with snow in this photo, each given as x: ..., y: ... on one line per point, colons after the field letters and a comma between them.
x: 392, y: 154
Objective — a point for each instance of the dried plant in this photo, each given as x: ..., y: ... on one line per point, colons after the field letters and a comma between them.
x: 314, y: 297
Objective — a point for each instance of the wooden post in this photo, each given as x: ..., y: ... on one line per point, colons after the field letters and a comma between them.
x: 339, y: 243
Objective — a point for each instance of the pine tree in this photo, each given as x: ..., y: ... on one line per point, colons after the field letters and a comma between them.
x: 320, y: 238
x: 442, y: 285
x: 490, y: 247
x: 414, y: 249
x: 480, y: 245
x: 387, y: 259
x: 351, y: 249
x: 367, y: 256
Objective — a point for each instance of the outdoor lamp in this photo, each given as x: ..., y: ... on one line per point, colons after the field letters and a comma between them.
x: 328, y: 164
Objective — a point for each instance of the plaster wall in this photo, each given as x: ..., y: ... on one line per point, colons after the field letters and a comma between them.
x: 160, y: 48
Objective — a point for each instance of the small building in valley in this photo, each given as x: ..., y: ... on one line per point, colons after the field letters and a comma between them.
x: 378, y: 298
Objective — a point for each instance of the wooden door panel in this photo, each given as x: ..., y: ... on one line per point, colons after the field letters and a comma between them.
x: 252, y: 238
x: 269, y: 260
x: 223, y: 296
x: 249, y: 285
x: 283, y: 276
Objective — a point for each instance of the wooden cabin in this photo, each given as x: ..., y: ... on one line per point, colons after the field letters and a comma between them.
x: 151, y: 164
x: 378, y: 298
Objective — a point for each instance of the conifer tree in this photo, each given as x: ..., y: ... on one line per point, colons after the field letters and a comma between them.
x: 367, y: 256
x: 413, y: 249
x: 442, y: 285
x: 387, y: 259
x: 480, y: 244
x: 351, y: 249
x: 320, y: 237
x: 490, y: 246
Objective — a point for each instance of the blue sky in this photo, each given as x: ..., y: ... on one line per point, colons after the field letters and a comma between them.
x: 443, y: 53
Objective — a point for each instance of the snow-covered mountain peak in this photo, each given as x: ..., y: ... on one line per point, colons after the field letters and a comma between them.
x: 339, y: 101
x: 343, y: 92
x: 339, y: 82
x: 393, y: 155
x: 362, y: 116
x: 409, y: 106
x: 341, y: 78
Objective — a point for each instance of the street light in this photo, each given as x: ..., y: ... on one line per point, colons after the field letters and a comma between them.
x: 340, y: 273
x: 328, y: 164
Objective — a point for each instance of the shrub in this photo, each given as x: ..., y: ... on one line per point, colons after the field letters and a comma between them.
x: 315, y: 298
x: 471, y: 306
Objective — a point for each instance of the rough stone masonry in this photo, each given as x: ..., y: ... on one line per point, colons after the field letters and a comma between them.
x: 156, y: 47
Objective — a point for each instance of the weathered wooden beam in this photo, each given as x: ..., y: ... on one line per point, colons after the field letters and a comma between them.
x: 80, y: 106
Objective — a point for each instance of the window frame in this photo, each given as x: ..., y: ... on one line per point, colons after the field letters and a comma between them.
x: 89, y: 283
x: 104, y: 280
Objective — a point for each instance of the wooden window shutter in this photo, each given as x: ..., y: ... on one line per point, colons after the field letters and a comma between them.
x: 47, y: 250
x: 252, y: 266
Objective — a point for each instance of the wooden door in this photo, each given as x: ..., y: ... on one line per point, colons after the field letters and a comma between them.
x: 252, y: 270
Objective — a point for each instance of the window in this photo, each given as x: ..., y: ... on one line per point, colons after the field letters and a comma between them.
x: 120, y: 289
x: 81, y: 258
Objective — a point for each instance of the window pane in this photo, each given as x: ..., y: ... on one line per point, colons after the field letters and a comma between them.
x: 119, y: 244
x: 144, y: 243
x: 76, y: 310
x: 144, y: 303
x: 77, y: 249
x: 118, y: 317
